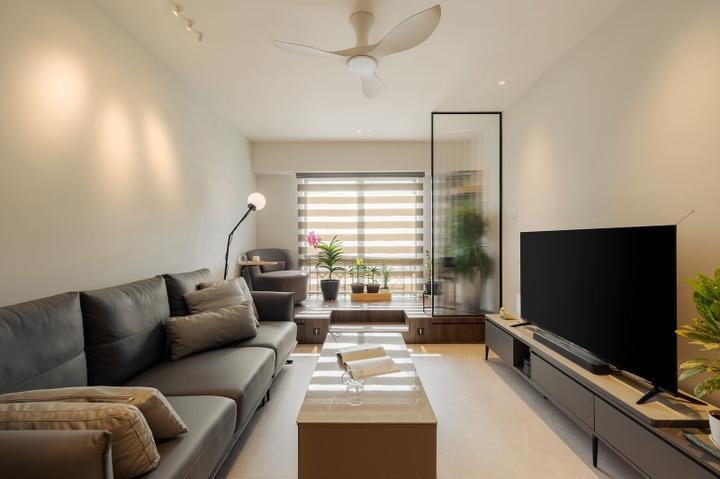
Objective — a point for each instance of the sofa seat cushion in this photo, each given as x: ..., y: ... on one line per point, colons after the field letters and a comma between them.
x: 241, y: 374
x: 211, y: 426
x: 280, y: 336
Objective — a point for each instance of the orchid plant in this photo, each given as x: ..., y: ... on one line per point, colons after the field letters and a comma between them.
x: 330, y: 253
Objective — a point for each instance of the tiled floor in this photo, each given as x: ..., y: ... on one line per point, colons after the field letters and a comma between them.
x: 491, y: 423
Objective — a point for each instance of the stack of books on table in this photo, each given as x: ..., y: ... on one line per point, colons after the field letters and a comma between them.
x: 366, y: 360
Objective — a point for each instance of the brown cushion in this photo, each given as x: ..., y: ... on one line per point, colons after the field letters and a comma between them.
x: 209, y: 330
x: 164, y: 422
x: 269, y: 268
x: 239, y: 283
x: 133, y: 449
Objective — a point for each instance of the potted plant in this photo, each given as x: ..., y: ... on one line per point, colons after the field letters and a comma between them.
x: 357, y: 271
x: 329, y: 256
x: 386, y: 272
x: 705, y: 332
x: 372, y: 286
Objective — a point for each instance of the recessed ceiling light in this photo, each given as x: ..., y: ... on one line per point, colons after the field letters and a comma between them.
x: 189, y: 25
x: 502, y: 83
x: 200, y: 36
x: 358, y: 131
x: 177, y: 10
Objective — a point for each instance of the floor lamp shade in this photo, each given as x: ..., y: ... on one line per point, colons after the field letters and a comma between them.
x: 255, y: 202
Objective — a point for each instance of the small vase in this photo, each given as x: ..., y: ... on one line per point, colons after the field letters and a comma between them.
x: 357, y: 288
x: 372, y: 288
x: 329, y: 288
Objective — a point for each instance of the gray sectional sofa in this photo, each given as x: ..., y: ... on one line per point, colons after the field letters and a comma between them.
x: 115, y: 336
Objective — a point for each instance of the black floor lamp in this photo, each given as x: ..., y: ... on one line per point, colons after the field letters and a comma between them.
x: 256, y: 201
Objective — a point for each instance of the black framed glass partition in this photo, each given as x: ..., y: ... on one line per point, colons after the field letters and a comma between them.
x: 466, y: 171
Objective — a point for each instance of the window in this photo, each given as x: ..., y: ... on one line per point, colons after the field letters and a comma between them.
x: 378, y: 217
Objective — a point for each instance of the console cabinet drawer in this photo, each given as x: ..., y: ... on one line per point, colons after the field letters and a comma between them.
x: 500, y: 342
x: 648, y: 452
x: 569, y: 394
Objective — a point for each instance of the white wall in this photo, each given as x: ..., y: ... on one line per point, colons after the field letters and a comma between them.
x: 276, y: 164
x: 110, y: 169
x: 625, y: 130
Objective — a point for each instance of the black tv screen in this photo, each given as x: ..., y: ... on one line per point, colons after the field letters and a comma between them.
x: 611, y: 291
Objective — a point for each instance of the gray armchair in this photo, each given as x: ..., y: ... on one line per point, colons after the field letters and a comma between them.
x: 281, y: 277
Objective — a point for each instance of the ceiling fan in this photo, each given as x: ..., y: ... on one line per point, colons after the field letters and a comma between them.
x: 363, y: 58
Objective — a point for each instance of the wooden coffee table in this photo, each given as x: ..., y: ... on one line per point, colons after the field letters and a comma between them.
x: 386, y: 429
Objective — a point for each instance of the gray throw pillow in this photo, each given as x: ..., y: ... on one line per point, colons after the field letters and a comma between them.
x: 240, y: 284
x: 210, y: 329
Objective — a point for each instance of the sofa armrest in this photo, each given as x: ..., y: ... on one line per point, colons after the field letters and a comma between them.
x: 274, y: 305
x: 82, y: 454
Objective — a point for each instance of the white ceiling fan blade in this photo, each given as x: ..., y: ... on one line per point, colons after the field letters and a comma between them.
x: 306, y: 50
x: 410, y: 33
x: 372, y: 85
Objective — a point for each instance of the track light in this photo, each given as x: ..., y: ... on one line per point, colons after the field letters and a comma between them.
x: 179, y: 11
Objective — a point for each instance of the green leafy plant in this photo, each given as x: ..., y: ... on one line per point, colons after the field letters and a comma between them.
x: 467, y: 247
x: 704, y: 332
x: 330, y: 255
x: 386, y: 272
x: 372, y: 271
x: 357, y: 270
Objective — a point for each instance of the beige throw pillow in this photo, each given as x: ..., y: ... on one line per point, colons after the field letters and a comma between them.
x: 220, y: 294
x: 133, y: 449
x: 209, y: 330
x: 164, y: 422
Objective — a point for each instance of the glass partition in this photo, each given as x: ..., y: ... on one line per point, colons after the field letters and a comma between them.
x: 466, y: 174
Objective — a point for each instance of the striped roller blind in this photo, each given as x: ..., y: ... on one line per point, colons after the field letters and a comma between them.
x: 377, y: 217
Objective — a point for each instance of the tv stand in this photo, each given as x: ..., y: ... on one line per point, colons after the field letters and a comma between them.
x: 655, y: 391
x: 649, y: 436
x: 573, y: 352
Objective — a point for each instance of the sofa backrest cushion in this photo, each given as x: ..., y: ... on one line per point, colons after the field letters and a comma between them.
x: 124, y: 332
x: 41, y: 344
x: 180, y: 283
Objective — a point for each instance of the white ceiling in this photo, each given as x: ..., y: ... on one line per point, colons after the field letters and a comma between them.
x: 269, y: 94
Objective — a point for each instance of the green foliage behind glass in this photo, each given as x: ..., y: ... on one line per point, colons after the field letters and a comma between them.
x: 467, y: 248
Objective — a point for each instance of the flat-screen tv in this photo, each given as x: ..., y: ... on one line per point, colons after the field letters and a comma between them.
x: 610, y: 291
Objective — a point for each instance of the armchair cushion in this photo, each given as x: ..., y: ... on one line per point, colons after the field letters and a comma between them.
x: 268, y: 268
